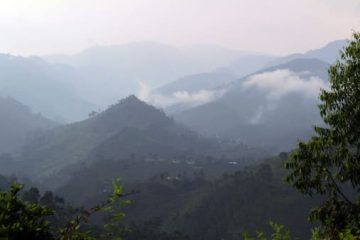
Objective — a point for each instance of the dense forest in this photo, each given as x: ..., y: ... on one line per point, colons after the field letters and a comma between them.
x: 190, y: 202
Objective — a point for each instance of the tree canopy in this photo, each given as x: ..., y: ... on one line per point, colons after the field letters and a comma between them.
x: 22, y: 220
x: 329, y: 163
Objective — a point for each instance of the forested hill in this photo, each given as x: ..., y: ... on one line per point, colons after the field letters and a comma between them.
x: 52, y: 150
x: 128, y: 129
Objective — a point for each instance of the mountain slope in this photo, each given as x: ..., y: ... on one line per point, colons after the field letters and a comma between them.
x: 16, y: 122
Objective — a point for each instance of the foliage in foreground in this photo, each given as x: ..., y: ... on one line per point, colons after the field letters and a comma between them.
x: 280, y: 233
x: 24, y: 220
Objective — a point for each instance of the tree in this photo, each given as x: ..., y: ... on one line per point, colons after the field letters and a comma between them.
x: 329, y: 163
x: 22, y: 220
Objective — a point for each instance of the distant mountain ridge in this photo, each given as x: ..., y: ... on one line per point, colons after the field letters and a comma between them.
x: 42, y: 87
x: 198, y: 89
x: 118, y: 70
x: 327, y: 53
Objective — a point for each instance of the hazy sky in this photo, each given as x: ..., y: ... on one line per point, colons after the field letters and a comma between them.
x: 273, y: 26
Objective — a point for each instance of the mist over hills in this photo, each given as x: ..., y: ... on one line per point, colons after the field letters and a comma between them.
x: 192, y: 144
x: 197, y: 89
x: 272, y: 108
x: 42, y: 87
x: 194, y: 90
x: 99, y: 76
x: 113, y: 72
x: 261, y: 109
x: 189, y: 91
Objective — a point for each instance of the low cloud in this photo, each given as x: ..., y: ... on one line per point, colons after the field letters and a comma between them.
x: 178, y: 97
x: 279, y: 83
